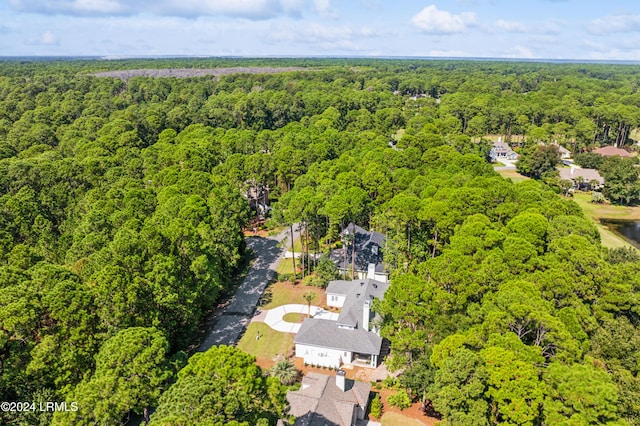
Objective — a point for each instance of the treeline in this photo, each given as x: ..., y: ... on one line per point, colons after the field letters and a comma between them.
x: 503, y: 307
x: 121, y: 216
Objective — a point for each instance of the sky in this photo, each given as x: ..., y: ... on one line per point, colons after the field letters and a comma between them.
x: 531, y: 29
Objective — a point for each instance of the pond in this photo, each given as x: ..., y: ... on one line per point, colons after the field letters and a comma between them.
x: 628, y: 229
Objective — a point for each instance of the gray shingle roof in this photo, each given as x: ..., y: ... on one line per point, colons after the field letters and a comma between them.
x: 358, y: 293
x: 320, y: 401
x: 586, y: 174
x: 326, y: 334
x: 368, y: 249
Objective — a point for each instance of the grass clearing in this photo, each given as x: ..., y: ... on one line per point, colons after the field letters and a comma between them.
x: 606, y: 211
x: 513, y: 175
x: 285, y: 266
x: 293, y: 317
x: 281, y: 293
x: 270, y: 344
x: 392, y: 418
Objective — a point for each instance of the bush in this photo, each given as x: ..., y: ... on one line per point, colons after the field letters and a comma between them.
x: 312, y: 280
x: 285, y: 277
x: 376, y: 406
x: 597, y: 197
x: 400, y: 399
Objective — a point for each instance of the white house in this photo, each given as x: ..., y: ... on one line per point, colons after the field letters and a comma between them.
x: 354, y: 337
x: 501, y: 150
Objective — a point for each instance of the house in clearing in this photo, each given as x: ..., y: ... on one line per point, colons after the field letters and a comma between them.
x: 329, y: 400
x: 501, y: 150
x: 610, y: 151
x: 361, y: 254
x: 352, y: 339
x: 564, y: 152
x: 582, y: 178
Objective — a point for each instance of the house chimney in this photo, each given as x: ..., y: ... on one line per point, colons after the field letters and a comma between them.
x: 366, y: 311
x: 371, y: 271
x: 341, y: 380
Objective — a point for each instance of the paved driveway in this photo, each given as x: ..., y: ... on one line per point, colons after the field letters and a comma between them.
x: 236, y: 316
x: 274, y: 317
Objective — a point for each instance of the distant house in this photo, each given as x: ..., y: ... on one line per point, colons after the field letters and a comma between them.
x: 329, y: 400
x: 564, y: 152
x: 610, y: 151
x: 352, y: 339
x: 360, y: 253
x: 581, y: 178
x: 501, y: 150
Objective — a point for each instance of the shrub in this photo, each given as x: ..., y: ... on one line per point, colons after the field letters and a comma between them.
x: 597, y: 198
x: 400, y: 399
x: 376, y: 406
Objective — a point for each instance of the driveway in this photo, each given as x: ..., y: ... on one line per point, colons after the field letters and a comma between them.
x: 236, y: 316
x: 274, y: 317
x: 508, y: 164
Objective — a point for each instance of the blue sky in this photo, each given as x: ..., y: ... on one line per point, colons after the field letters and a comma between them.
x: 554, y: 29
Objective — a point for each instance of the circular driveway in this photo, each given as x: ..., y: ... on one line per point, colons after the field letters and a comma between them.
x: 274, y: 317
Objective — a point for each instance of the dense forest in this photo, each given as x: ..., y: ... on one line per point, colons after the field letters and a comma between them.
x: 121, y: 216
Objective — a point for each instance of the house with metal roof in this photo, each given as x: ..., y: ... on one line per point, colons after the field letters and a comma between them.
x: 354, y: 337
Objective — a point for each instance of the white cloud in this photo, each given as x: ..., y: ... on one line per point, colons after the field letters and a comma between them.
x: 615, y: 24
x: 434, y: 21
x: 322, y: 6
x: 341, y: 37
x: 518, y: 52
x: 47, y: 38
x: 98, y: 6
x: 447, y: 54
x: 551, y: 27
x: 249, y: 9
x: 511, y: 27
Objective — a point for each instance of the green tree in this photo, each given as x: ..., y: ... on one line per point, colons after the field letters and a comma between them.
x: 308, y: 296
x: 580, y: 394
x: 539, y: 161
x: 219, y: 387
x: 131, y: 371
x: 621, y: 180
x: 458, y: 392
x: 285, y: 371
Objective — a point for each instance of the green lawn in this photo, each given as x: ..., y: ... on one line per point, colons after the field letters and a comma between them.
x: 285, y: 266
x: 595, y: 212
x: 270, y: 344
x: 280, y: 294
x: 293, y: 317
x: 513, y: 175
x: 392, y: 418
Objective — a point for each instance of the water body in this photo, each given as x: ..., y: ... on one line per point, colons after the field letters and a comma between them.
x: 628, y: 229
